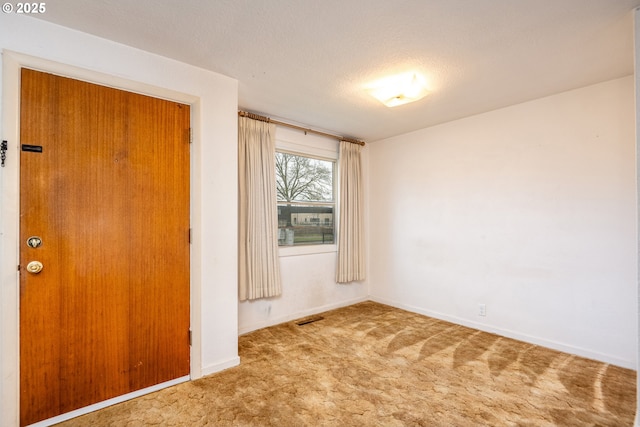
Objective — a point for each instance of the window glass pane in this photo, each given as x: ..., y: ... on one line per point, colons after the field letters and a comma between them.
x: 303, y: 179
x: 305, y: 225
x: 305, y: 200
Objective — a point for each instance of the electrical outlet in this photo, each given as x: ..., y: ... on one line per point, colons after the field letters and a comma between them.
x: 482, y: 309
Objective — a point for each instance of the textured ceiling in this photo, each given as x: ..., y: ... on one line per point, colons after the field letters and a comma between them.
x: 308, y: 61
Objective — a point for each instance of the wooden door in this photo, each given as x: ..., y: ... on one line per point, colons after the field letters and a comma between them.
x: 104, y: 185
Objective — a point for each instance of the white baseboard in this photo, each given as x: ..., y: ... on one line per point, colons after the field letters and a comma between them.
x: 606, y: 358
x: 297, y: 315
x: 105, y: 403
x: 220, y: 366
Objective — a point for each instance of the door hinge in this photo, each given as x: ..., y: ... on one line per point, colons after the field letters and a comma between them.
x: 190, y: 236
x: 190, y: 337
x: 190, y: 135
x: 3, y: 152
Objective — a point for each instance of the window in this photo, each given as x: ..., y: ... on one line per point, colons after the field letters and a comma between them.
x: 306, y: 201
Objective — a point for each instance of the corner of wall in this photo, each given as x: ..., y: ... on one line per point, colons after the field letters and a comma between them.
x: 636, y: 51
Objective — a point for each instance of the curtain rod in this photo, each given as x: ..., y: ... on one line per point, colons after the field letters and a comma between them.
x: 317, y: 132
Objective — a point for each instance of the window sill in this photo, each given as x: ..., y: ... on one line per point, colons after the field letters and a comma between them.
x: 285, y: 251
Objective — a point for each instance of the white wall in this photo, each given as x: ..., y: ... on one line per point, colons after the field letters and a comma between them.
x: 529, y: 209
x: 308, y: 273
x: 214, y: 175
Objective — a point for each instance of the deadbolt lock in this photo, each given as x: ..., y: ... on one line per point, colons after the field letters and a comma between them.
x: 34, y: 267
x: 34, y: 242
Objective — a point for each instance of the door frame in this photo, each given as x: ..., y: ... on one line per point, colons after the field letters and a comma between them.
x: 12, y: 62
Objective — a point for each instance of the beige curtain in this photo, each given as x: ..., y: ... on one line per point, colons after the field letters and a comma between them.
x: 259, y: 275
x: 351, y: 260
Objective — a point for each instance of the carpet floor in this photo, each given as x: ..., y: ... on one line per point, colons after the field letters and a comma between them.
x: 374, y: 365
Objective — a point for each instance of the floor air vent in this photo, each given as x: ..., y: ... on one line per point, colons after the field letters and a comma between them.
x: 309, y: 320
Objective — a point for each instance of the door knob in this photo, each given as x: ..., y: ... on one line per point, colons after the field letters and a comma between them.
x: 34, y: 267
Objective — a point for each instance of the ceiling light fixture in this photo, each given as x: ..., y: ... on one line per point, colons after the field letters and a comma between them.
x: 399, y: 89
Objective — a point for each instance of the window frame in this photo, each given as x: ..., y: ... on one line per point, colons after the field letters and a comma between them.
x: 320, y: 148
